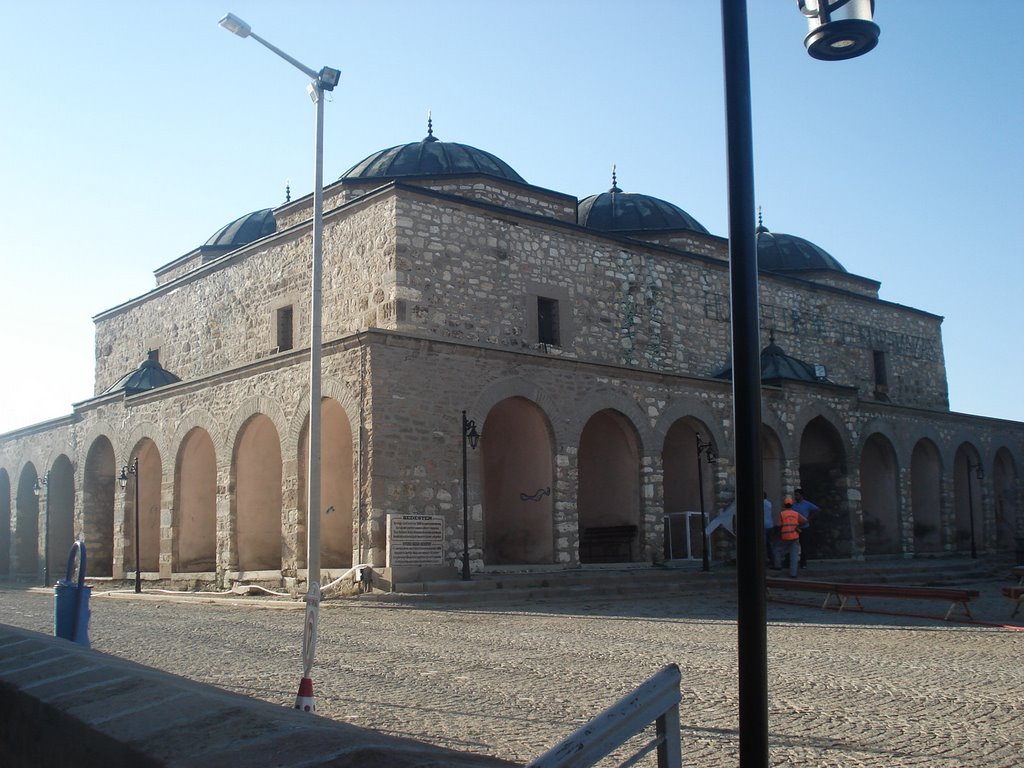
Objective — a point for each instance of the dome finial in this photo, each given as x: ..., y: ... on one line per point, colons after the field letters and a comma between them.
x: 287, y: 190
x: 615, y: 182
x: 761, y: 228
x: 430, y: 128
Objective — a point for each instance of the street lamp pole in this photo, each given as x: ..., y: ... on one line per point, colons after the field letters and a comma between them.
x: 41, y: 483
x: 133, y: 469
x: 709, y: 449
x: 980, y: 474
x: 471, y: 437
x: 320, y: 82
x: 838, y: 30
x: 752, y: 635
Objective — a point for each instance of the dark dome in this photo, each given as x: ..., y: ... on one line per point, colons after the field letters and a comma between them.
x: 618, y: 211
x: 777, y: 252
x: 431, y: 157
x: 149, y: 375
x: 244, y: 230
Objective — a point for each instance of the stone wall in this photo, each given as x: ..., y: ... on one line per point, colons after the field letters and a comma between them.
x: 223, y: 316
x: 465, y: 275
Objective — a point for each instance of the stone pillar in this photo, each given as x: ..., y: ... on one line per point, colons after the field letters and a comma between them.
x: 565, y: 513
x: 652, y: 509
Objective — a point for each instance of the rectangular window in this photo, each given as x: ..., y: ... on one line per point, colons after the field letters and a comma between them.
x: 881, y: 376
x: 284, y: 329
x: 547, y: 321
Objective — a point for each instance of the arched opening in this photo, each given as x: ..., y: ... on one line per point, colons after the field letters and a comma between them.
x: 5, y: 524
x: 926, y: 497
x: 98, y: 481
x: 1004, y: 485
x: 26, y: 525
x: 60, y: 516
x: 517, y: 458
x: 256, y: 505
x: 969, y: 522
x: 337, y: 488
x: 609, y: 482
x: 195, y: 505
x: 146, y: 486
x: 879, y: 484
x: 685, y: 474
x: 824, y: 482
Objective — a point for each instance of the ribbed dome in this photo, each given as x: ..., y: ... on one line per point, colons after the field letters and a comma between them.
x: 778, y: 252
x: 431, y: 157
x: 244, y: 230
x: 618, y: 211
x: 149, y: 375
x: 776, y: 365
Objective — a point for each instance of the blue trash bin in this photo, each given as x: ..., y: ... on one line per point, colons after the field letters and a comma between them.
x: 71, y: 601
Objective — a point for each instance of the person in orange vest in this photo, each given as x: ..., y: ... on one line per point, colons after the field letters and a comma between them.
x: 789, y: 533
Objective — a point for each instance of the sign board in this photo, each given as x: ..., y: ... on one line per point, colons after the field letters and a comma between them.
x: 415, y: 540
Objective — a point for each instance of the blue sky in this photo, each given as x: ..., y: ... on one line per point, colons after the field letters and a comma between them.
x: 134, y: 130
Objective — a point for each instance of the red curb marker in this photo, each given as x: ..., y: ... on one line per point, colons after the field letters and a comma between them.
x: 304, y: 701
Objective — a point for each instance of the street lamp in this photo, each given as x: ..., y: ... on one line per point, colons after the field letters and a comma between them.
x: 324, y: 80
x: 709, y: 450
x: 133, y: 469
x: 978, y: 472
x: 839, y: 29
x: 37, y: 489
x: 752, y: 636
x: 470, y: 437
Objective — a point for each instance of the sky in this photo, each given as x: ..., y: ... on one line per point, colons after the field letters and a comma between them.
x: 132, y: 131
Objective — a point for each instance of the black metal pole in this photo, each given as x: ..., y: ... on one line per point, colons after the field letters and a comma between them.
x: 46, y: 533
x: 752, y: 638
x: 138, y: 554
x: 970, y: 507
x: 706, y: 562
x: 465, y: 503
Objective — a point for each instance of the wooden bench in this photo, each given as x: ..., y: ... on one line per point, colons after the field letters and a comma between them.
x: 845, y: 592
x: 1016, y: 596
x: 607, y: 544
x: 830, y: 589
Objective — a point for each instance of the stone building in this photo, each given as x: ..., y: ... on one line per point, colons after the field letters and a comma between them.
x: 587, y: 341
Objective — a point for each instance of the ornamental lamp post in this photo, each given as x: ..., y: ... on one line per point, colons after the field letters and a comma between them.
x: 839, y: 29
x: 470, y: 437
x: 37, y: 489
x: 979, y: 473
x: 709, y: 451
x: 133, y: 469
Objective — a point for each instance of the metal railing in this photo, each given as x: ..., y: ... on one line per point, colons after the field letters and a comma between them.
x: 657, y: 701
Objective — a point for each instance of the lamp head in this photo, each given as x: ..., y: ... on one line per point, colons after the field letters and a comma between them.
x: 235, y: 25
x: 839, y: 29
x: 122, y: 479
x: 329, y: 78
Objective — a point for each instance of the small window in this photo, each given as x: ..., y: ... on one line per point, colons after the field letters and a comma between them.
x: 284, y: 329
x: 881, y: 376
x: 547, y: 321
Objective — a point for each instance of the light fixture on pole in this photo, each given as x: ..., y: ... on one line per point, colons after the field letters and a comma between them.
x: 320, y: 82
x: 709, y: 451
x: 37, y: 489
x: 471, y: 437
x: 752, y: 633
x: 133, y: 469
x: 839, y: 29
x: 978, y: 472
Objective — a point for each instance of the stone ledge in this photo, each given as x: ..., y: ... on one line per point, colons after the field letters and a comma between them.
x: 62, y: 704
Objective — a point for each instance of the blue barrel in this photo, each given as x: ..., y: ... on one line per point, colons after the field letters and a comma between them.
x: 71, y: 601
